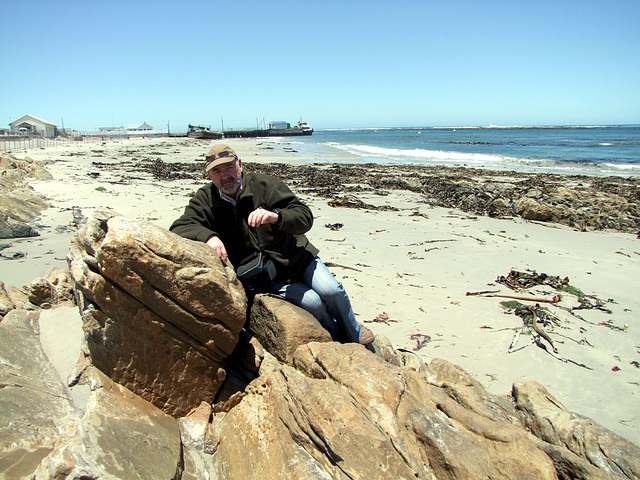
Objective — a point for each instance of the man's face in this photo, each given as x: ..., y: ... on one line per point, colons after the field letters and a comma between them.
x: 227, y: 176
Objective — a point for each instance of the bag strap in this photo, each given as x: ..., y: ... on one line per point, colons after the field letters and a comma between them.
x: 260, y: 241
x: 259, y: 235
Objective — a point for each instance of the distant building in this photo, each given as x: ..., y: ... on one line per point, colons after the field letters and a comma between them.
x: 279, y: 125
x: 143, y: 127
x: 30, y: 125
x: 112, y: 129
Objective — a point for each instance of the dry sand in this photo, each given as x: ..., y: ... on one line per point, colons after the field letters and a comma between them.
x: 415, y: 270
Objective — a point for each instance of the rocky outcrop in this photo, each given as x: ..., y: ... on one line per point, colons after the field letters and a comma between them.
x: 45, y: 435
x: 14, y: 169
x: 19, y: 202
x: 340, y: 411
x: 293, y: 404
x: 6, y: 305
x: 558, y: 430
x: 160, y: 312
x: 281, y: 328
x: 531, y: 209
x: 54, y: 287
x: 33, y: 401
x: 345, y: 413
x: 119, y: 435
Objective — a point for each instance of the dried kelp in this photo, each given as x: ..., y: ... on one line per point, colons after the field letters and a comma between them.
x: 539, y: 321
x: 532, y: 317
x: 582, y: 202
x: 522, y: 280
x: 382, y: 318
x: 351, y: 201
x: 421, y: 340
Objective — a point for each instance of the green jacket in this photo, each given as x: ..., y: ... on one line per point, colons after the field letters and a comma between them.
x: 208, y: 215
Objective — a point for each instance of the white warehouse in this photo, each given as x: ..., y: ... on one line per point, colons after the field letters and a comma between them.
x: 30, y: 125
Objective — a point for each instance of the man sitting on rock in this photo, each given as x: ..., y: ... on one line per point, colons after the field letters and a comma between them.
x: 227, y: 213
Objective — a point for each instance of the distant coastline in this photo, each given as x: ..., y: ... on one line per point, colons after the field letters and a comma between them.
x: 484, y: 127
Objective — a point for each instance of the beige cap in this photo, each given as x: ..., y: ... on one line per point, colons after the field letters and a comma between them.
x: 219, y: 154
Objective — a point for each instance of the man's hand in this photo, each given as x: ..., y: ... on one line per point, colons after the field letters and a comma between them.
x: 218, y: 246
x: 260, y: 216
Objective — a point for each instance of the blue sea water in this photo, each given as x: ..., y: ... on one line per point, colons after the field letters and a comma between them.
x: 598, y: 150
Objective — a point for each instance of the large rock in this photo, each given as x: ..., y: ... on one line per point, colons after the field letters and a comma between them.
x: 34, y: 404
x: 6, y: 305
x: 19, y: 202
x: 550, y: 421
x: 54, y: 287
x: 345, y: 413
x: 120, y: 436
x: 531, y: 209
x: 342, y: 412
x: 9, y: 228
x: 45, y: 435
x: 282, y: 327
x: 15, y: 169
x: 161, y: 312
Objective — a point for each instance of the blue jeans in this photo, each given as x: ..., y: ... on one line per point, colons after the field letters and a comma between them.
x: 325, y: 298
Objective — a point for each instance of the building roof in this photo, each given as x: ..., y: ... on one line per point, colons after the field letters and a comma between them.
x: 27, y: 118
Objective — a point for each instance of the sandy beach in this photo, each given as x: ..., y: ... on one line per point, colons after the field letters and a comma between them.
x: 408, y: 267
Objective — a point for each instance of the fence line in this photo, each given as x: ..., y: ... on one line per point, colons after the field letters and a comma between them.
x: 14, y: 144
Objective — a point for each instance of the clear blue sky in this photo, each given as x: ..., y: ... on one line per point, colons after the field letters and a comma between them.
x: 344, y: 63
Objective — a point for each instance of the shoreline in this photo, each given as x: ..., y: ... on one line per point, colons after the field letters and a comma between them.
x: 406, y: 261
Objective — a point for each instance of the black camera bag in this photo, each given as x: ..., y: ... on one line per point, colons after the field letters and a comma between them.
x: 257, y: 271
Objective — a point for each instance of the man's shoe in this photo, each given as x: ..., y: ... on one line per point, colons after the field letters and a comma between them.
x: 366, y: 336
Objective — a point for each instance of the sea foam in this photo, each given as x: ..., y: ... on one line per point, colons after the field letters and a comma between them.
x: 418, y: 154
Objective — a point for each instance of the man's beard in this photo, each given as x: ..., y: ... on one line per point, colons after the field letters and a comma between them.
x: 230, y: 187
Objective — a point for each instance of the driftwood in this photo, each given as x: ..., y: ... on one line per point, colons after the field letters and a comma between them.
x: 331, y: 264
x: 492, y: 293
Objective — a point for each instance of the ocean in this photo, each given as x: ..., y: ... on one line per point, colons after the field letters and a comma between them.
x: 597, y: 150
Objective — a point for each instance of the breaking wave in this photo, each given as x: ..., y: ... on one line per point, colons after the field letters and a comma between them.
x: 375, y: 154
